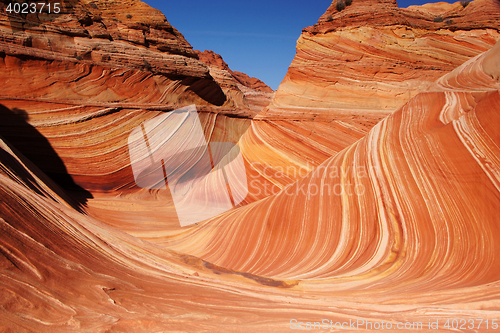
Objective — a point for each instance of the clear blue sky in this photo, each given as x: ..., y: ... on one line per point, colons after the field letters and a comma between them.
x: 256, y: 37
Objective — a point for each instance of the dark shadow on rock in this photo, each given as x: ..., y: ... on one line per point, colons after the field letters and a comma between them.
x: 14, y: 128
x: 207, y: 89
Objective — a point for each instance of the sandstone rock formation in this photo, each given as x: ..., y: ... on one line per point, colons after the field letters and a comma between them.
x: 57, y: 57
x: 372, y: 57
x: 215, y: 60
x: 251, y: 82
x: 357, y: 65
x: 423, y: 231
x: 87, y: 64
x: 421, y: 173
x: 354, y: 212
x: 256, y: 93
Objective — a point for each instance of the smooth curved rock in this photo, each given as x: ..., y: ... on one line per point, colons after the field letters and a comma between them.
x: 422, y: 231
x: 372, y: 57
x: 356, y: 66
x: 413, y: 202
x: 351, y: 214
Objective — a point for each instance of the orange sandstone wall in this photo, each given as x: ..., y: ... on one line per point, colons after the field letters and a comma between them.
x: 372, y: 57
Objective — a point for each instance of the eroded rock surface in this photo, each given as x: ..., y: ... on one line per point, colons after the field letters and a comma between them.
x: 355, y: 211
x: 372, y: 56
x: 104, y: 51
x: 256, y: 93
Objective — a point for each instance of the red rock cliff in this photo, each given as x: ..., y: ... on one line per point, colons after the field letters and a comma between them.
x: 357, y: 65
x: 256, y: 92
x: 127, y: 46
x: 354, y: 211
x: 372, y: 57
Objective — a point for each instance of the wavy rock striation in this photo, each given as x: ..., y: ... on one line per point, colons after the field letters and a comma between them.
x: 129, y: 48
x: 409, y: 208
x: 372, y: 56
x: 401, y: 225
x: 351, y: 214
x: 349, y: 77
x: 357, y: 65
x: 75, y: 72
